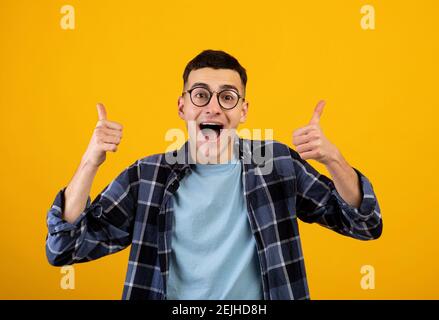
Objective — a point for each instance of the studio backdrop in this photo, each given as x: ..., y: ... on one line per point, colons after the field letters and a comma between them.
x: 375, y: 63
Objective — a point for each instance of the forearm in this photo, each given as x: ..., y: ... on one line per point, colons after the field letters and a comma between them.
x: 78, y: 190
x: 345, y: 179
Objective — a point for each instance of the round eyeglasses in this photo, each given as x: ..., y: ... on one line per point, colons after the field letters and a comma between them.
x: 227, y: 99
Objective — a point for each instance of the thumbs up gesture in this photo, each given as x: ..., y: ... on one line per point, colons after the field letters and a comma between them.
x: 310, y: 142
x: 106, y: 137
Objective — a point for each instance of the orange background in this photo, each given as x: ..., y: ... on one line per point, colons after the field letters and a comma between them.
x: 381, y: 112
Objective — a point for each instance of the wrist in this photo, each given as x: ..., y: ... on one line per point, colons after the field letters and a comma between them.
x: 88, y: 165
x: 335, y: 159
x: 338, y: 166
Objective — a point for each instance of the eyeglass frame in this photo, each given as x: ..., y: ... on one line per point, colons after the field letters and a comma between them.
x: 211, y: 95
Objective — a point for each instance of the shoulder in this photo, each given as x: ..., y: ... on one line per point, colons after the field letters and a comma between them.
x: 151, y: 167
x: 153, y: 161
x: 273, y: 154
x: 276, y: 148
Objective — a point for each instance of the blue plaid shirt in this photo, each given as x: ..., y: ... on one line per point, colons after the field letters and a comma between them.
x: 136, y: 209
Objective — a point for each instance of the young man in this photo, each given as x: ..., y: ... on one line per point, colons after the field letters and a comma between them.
x: 210, y: 221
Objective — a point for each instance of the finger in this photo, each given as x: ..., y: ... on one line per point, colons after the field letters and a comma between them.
x: 102, y: 113
x: 305, y: 138
x: 109, y: 147
x: 307, y: 155
x: 305, y: 130
x: 318, y: 110
x: 110, y: 139
x: 109, y: 124
x: 305, y: 147
x: 109, y: 131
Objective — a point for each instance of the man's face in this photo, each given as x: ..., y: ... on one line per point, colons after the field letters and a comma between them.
x: 212, y: 126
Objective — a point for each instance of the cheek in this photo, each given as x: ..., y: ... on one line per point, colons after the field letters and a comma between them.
x: 234, y: 118
x: 190, y: 113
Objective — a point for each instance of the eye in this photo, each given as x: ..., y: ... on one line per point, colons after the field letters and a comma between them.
x: 228, y: 96
x: 200, y: 95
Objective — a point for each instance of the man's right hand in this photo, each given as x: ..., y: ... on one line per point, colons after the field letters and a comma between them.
x: 106, y: 137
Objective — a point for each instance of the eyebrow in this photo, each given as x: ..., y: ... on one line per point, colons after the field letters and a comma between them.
x: 222, y: 87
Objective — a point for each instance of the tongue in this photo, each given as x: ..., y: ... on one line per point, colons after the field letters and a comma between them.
x: 210, y: 134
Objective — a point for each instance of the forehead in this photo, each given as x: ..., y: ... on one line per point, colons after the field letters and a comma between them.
x: 215, y: 77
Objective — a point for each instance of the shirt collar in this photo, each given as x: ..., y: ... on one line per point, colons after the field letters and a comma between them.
x: 241, y: 147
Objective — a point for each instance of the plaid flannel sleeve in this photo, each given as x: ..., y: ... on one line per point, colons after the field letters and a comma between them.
x: 104, y: 227
x: 318, y: 201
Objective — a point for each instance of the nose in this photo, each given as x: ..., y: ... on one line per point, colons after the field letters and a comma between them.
x: 213, y: 106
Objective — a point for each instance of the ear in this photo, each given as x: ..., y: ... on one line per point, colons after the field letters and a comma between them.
x: 180, y: 104
x: 244, y: 110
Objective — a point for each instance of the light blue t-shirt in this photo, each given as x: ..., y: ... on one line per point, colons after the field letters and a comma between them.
x: 213, y: 250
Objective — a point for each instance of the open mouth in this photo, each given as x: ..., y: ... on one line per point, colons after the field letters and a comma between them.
x: 211, y: 130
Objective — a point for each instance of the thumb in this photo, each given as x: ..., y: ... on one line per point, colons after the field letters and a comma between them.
x: 102, y: 114
x: 318, y: 110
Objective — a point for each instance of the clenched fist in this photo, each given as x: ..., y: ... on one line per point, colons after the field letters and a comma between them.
x: 106, y: 137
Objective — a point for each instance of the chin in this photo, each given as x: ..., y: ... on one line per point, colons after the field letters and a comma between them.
x: 212, y: 151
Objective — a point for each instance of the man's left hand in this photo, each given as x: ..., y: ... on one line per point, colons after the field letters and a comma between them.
x: 311, y: 143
